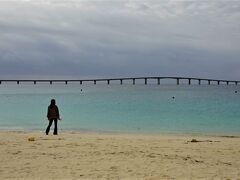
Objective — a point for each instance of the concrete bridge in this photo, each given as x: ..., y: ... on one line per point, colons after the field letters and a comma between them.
x: 145, y: 80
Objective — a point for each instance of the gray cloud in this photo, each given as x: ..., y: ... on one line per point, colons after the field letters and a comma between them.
x: 120, y: 38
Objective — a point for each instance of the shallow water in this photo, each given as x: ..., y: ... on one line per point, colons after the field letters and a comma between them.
x: 149, y: 108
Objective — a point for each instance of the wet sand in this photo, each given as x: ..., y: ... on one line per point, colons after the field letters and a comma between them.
x: 78, y: 155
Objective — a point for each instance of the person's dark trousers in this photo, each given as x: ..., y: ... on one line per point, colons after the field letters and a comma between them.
x: 55, y: 126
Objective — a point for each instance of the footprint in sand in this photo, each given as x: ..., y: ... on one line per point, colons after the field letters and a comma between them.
x: 151, y: 156
x: 17, y: 152
x: 113, y: 168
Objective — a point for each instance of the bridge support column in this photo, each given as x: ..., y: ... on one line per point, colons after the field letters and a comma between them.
x: 17, y: 82
x: 199, y: 81
x: 177, y: 81
x: 108, y: 82
x: 0, y: 82
x: 95, y: 82
x: 189, y: 81
x: 145, y: 81
x: 158, y: 81
x: 34, y: 82
x: 66, y: 82
x: 209, y: 82
x: 133, y: 81
x: 236, y: 83
x: 121, y: 81
x: 218, y: 82
x: 80, y: 82
x: 227, y: 82
x: 50, y: 82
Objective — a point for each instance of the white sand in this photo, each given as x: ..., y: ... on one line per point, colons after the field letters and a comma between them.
x: 112, y: 156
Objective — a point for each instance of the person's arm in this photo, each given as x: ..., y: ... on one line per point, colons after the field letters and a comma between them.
x: 48, y: 113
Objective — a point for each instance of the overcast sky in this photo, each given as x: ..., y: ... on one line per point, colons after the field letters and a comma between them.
x: 119, y: 38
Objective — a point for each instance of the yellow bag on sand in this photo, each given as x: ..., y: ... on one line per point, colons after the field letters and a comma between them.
x: 31, y: 139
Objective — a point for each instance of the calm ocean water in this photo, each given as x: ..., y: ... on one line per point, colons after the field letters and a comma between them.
x: 149, y: 108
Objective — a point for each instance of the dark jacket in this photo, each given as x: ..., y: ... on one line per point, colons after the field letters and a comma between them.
x: 53, y: 112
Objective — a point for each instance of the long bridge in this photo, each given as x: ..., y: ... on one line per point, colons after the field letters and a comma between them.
x: 145, y: 80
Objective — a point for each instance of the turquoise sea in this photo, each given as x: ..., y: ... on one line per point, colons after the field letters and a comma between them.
x: 201, y: 109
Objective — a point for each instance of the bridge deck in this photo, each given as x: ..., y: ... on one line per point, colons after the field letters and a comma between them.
x: 123, y: 79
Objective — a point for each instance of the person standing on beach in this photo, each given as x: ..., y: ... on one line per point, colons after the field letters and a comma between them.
x: 53, y: 115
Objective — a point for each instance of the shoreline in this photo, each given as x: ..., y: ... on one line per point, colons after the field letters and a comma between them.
x: 84, y: 155
x: 223, y: 134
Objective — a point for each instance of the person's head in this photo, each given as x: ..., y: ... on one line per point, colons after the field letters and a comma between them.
x: 53, y: 103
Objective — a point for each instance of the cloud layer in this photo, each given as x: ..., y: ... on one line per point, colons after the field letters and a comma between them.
x: 81, y: 38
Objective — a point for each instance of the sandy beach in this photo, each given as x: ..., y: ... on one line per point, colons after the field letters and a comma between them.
x: 78, y: 155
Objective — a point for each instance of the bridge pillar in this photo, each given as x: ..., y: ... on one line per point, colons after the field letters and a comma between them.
x: 189, y: 81
x: 227, y: 82
x: 50, y: 82
x: 218, y: 82
x: 236, y: 82
x: 66, y: 82
x: 158, y: 81
x: 121, y: 81
x: 80, y: 82
x: 199, y: 81
x: 34, y: 82
x: 177, y: 81
x: 95, y: 82
x: 17, y: 82
x: 209, y: 82
x: 0, y: 82
x: 145, y: 81
x: 133, y: 81
x: 108, y: 82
